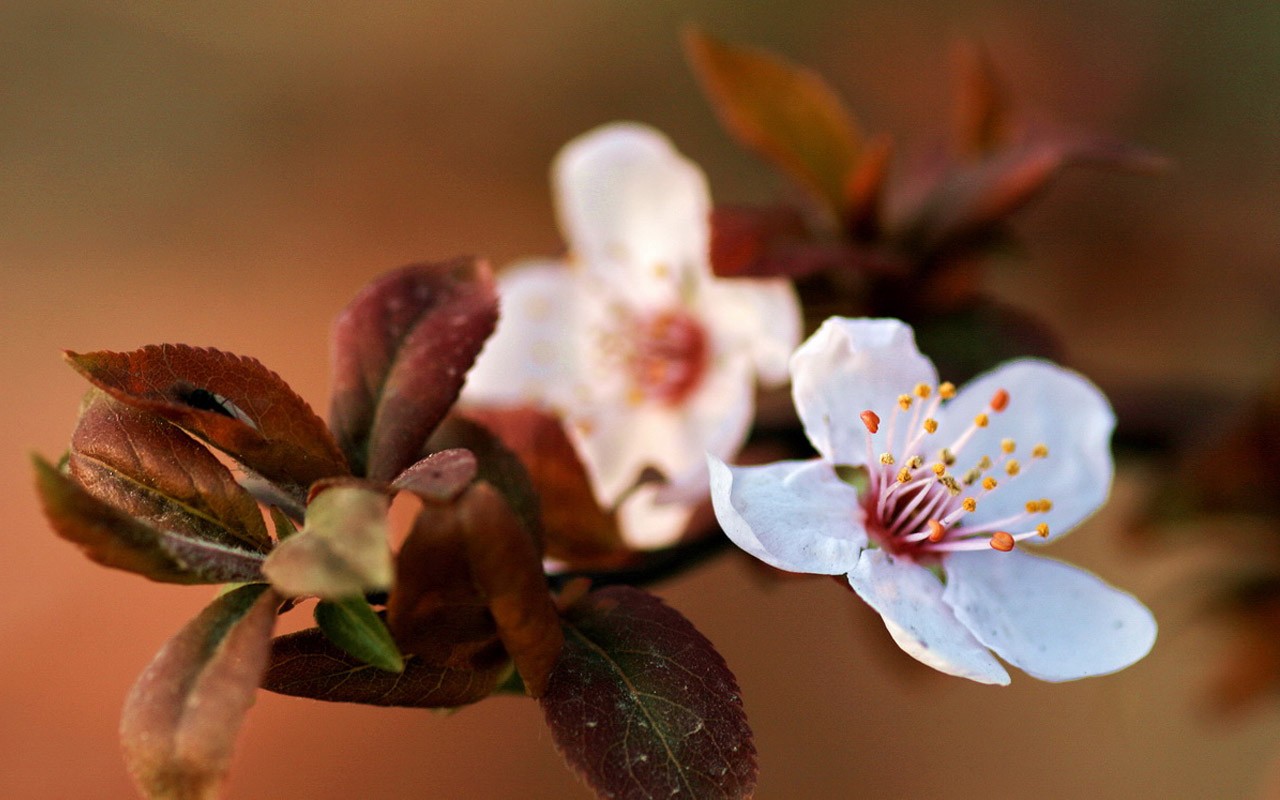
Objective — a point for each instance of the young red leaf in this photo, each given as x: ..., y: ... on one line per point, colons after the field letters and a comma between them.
x: 114, y: 539
x: 784, y: 112
x: 401, y: 351
x: 643, y: 706
x: 150, y: 469
x: 744, y: 238
x: 506, y: 566
x: 233, y: 402
x: 181, y: 718
x: 440, y: 476
x: 342, y: 549
x: 435, y: 611
x: 972, y: 199
x: 307, y: 664
x: 982, y: 119
x: 574, y: 528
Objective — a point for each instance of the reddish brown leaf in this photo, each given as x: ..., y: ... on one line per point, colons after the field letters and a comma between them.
x: 982, y: 120
x: 435, y: 611
x: 864, y: 191
x: 402, y: 349
x: 114, y: 539
x: 230, y: 401
x: 181, y: 718
x: 507, y: 568
x: 342, y: 549
x: 972, y: 199
x: 440, y: 476
x: 784, y: 112
x: 307, y: 664
x: 150, y: 469
x: 575, y: 529
x: 643, y: 706
x: 743, y: 237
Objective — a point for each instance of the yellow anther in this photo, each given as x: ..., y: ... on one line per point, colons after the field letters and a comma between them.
x: 936, y: 531
x: 971, y: 477
x: 1000, y: 400
x: 871, y: 419
x: 984, y: 463
x: 1013, y: 467
x: 1008, y: 446
x: 1043, y: 530
x: 922, y: 390
x: 988, y: 483
x: 969, y: 504
x: 939, y: 469
x: 947, y: 457
x: 915, y: 462
x: 982, y: 420
x: 1040, y: 451
x: 930, y: 425
x: 904, y: 402
x: 904, y: 475
x: 1002, y: 541
x: 886, y: 459
x: 947, y: 390
x: 1046, y: 505
x: 953, y: 488
x: 1033, y: 506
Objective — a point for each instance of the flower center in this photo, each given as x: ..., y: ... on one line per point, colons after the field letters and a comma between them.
x: 667, y: 357
x: 916, y: 504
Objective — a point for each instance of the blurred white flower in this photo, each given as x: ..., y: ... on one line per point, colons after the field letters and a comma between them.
x: 650, y: 360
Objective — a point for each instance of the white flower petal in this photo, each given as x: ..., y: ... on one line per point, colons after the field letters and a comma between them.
x: 793, y: 515
x: 529, y: 357
x: 910, y: 599
x: 1047, y: 405
x: 616, y: 443
x: 715, y: 420
x: 759, y: 317
x: 648, y: 523
x: 635, y: 212
x: 849, y: 366
x: 1051, y: 620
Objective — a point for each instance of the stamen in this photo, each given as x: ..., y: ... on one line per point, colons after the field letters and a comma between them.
x: 915, y: 462
x: 1012, y: 468
x: 970, y: 504
x: 871, y: 420
x: 939, y: 469
x: 989, y: 483
x: 904, y: 402
x: 1000, y: 401
x: 1040, y: 451
x: 936, y: 531
x: 984, y: 463
x: 982, y: 420
x: 952, y: 487
x: 971, y: 477
x: 1043, y: 530
x: 1008, y: 446
x: 1046, y: 505
x: 886, y: 459
x: 947, y: 390
x: 931, y: 425
x: 1033, y: 506
x: 947, y: 457
x: 1002, y: 541
x: 923, y: 391
x: 904, y: 475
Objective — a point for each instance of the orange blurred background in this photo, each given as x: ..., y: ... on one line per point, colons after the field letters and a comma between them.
x: 228, y: 175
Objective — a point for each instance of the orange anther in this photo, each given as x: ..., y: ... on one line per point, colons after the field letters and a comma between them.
x: 1000, y: 400
x: 871, y: 419
x: 936, y: 531
x: 1002, y: 541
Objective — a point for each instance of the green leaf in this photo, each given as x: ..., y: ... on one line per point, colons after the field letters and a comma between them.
x: 352, y: 625
x: 402, y: 349
x: 233, y: 402
x: 282, y: 523
x: 643, y: 706
x: 783, y: 112
x: 151, y: 469
x: 342, y: 549
x: 114, y: 539
x: 307, y: 664
x: 181, y: 718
